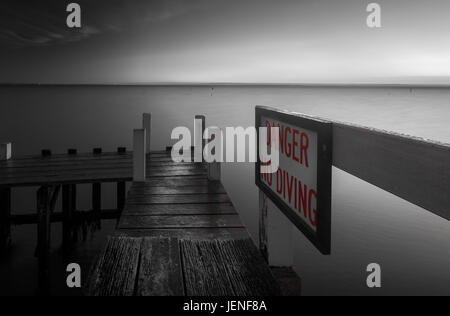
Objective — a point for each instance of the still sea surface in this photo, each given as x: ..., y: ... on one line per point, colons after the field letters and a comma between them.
x: 369, y: 225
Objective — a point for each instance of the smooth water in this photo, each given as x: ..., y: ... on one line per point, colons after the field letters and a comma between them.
x: 368, y: 225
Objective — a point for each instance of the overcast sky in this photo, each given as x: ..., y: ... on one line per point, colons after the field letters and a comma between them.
x: 225, y: 41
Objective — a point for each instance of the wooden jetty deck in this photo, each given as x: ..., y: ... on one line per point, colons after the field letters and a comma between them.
x: 179, y: 234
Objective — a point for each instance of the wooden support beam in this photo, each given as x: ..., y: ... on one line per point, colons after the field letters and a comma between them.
x: 121, y: 187
x: 67, y: 218
x: 32, y: 218
x: 275, y: 234
x: 147, y: 125
x: 46, y: 201
x: 68, y: 203
x: 139, y: 155
x: 412, y: 169
x: 5, y: 224
x: 97, y: 194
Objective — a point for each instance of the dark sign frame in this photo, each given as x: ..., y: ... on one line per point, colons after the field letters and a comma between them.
x: 321, y: 238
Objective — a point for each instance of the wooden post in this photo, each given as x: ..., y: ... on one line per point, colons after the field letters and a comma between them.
x: 275, y: 234
x: 43, y: 240
x: 5, y: 223
x: 46, y: 201
x: 147, y: 125
x: 67, y: 221
x: 46, y: 153
x: 97, y: 195
x: 121, y: 186
x: 199, y: 141
x: 69, y: 204
x: 139, y: 156
x: 5, y: 151
x: 214, y: 171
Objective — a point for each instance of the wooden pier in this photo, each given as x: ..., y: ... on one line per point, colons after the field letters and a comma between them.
x: 179, y: 234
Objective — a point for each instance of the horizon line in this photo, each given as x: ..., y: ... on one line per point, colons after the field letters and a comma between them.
x: 213, y: 84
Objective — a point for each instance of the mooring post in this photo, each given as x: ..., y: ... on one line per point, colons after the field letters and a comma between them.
x: 199, y: 141
x: 97, y: 194
x: 147, y: 125
x: 5, y: 221
x: 121, y: 186
x: 275, y: 234
x: 5, y: 151
x: 139, y: 155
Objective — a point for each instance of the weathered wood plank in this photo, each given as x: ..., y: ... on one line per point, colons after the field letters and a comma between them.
x: 204, y: 273
x: 116, y: 270
x: 160, y: 272
x: 413, y: 169
x: 180, y: 209
x: 249, y: 273
x: 213, y: 188
x: 185, y: 221
x: 232, y: 267
x: 188, y: 233
x: 180, y: 199
x: 172, y: 182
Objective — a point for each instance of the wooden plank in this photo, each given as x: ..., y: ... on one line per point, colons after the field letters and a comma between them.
x: 160, y: 272
x: 180, y: 209
x: 246, y: 268
x: 204, y: 273
x: 172, y: 182
x: 232, y: 267
x: 90, y: 166
x: 115, y: 272
x: 177, y: 221
x: 180, y: 199
x: 413, y: 169
x: 188, y: 233
x: 213, y: 188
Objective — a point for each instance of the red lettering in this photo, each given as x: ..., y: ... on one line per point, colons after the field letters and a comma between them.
x: 289, y: 186
x: 302, y: 198
x: 295, y: 144
x: 312, y: 221
x: 304, y: 145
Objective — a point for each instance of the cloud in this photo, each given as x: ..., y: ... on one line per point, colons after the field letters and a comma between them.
x: 40, y: 23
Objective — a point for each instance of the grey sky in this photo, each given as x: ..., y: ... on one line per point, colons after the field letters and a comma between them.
x: 249, y: 41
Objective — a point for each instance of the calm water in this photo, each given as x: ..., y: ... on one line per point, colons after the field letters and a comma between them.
x: 369, y: 225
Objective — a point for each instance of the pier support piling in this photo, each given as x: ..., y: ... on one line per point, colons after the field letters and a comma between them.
x: 46, y: 201
x: 275, y: 234
x: 5, y: 223
x: 121, y: 187
x: 97, y: 196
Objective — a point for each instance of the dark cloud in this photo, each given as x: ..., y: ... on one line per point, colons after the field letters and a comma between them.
x: 34, y: 23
